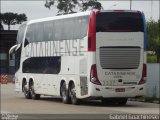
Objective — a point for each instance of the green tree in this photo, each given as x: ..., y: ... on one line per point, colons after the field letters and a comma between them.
x: 153, y: 37
x: 10, y: 18
x: 21, y: 18
x: 92, y: 4
x: 70, y: 6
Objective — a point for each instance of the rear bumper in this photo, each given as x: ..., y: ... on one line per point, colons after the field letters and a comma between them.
x: 109, y: 91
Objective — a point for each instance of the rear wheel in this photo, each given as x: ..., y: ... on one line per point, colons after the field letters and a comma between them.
x: 107, y: 101
x: 64, y: 93
x: 26, y: 91
x: 72, y: 92
x: 122, y: 101
x: 33, y: 94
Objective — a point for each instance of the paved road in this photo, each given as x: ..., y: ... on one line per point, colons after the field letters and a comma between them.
x: 12, y: 102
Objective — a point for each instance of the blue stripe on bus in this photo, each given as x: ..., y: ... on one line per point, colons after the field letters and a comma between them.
x: 145, y: 33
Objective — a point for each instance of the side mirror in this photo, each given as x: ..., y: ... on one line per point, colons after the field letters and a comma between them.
x: 11, y: 56
x: 12, y: 52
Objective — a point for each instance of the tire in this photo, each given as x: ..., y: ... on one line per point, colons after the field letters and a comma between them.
x: 64, y: 93
x: 26, y: 91
x: 72, y: 92
x: 34, y: 96
x: 122, y: 101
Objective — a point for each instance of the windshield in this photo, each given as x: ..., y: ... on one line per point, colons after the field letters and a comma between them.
x: 119, y: 22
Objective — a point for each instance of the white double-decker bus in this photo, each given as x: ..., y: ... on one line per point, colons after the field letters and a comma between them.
x: 87, y: 55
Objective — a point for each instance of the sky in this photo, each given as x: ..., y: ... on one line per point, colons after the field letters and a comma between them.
x: 36, y: 9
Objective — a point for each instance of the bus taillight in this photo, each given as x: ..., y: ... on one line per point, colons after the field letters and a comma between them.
x: 119, y: 10
x: 92, y: 32
x: 93, y: 75
x: 144, y: 75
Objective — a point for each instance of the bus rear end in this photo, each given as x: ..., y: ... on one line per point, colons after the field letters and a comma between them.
x: 118, y: 39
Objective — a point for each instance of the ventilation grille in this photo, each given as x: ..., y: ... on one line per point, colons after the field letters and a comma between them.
x: 119, y: 57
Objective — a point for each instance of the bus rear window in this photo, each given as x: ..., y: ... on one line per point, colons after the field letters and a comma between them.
x: 119, y: 22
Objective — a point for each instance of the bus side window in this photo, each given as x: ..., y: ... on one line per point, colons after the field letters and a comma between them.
x: 44, y: 65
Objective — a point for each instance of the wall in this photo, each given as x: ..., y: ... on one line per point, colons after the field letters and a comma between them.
x: 153, y: 80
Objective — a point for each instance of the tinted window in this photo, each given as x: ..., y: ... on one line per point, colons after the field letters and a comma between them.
x: 61, y: 29
x: 119, y: 22
x: 44, y: 65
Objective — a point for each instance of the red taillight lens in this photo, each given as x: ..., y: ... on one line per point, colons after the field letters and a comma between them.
x: 93, y: 75
x: 119, y: 10
x: 92, y: 32
x: 144, y: 75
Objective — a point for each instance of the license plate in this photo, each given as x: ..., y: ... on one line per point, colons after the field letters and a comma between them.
x: 120, y: 89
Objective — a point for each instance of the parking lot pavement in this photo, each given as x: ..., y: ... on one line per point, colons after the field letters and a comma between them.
x: 12, y: 102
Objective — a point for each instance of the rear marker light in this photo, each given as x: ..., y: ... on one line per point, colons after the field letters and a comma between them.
x: 139, y: 12
x: 119, y: 11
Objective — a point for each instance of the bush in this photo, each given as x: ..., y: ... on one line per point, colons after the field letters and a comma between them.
x: 151, y: 58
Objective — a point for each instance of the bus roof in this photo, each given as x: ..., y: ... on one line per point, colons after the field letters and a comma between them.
x: 58, y: 17
x: 73, y: 15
